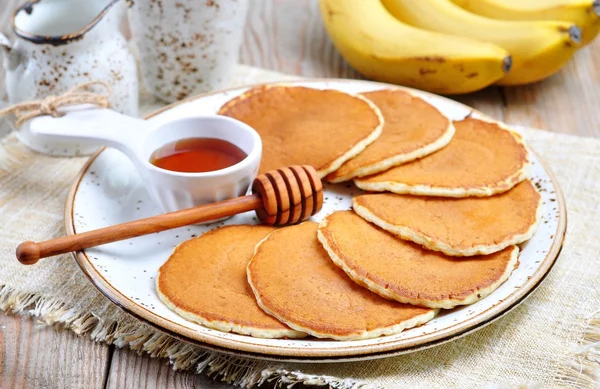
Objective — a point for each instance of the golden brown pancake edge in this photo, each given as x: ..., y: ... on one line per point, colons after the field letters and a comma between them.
x: 279, y: 155
x: 215, y: 306
x: 284, y: 273
x: 388, y: 181
x: 400, y: 291
x: 456, y: 241
x: 403, y: 113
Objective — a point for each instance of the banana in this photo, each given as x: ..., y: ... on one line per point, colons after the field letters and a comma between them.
x: 584, y: 13
x: 380, y: 47
x: 538, y: 48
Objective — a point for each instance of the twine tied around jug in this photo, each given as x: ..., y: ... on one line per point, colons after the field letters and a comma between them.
x: 49, y: 105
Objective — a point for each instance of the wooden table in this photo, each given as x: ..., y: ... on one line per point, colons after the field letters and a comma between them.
x: 288, y: 36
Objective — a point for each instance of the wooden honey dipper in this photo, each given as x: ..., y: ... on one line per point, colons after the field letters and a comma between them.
x: 280, y: 197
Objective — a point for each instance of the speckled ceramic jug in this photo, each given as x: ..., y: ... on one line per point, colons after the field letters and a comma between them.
x: 187, y: 47
x: 61, y: 44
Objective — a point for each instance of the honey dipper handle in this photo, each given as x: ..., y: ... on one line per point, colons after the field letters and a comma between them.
x: 29, y: 253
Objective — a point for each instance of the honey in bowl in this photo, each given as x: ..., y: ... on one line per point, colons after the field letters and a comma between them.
x: 197, y: 155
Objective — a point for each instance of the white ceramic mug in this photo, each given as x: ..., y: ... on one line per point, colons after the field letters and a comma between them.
x: 187, y: 47
x: 61, y: 44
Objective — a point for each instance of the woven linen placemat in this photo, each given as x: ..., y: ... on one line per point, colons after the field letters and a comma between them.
x: 551, y: 340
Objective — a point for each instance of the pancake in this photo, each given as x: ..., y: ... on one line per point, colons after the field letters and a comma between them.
x: 412, y: 129
x: 482, y: 159
x: 465, y: 226
x: 294, y: 280
x: 204, y: 281
x: 305, y: 126
x: 405, y: 272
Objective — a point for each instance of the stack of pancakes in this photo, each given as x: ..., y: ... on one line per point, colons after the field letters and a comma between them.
x: 450, y: 202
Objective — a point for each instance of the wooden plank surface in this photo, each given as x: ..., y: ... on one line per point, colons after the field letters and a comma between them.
x: 35, y: 356
x: 129, y: 370
x: 566, y: 102
x: 287, y: 36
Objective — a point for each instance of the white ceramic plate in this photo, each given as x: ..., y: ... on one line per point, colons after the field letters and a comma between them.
x: 108, y: 191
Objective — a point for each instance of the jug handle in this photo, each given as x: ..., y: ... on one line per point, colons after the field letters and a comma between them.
x: 6, y: 48
x: 5, y: 42
x: 88, y: 125
x: 12, y: 57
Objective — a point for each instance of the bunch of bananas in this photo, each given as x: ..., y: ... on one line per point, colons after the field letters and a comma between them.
x: 459, y: 46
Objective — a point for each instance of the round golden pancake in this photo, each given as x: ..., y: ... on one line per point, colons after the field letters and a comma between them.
x: 456, y: 226
x: 482, y: 159
x: 405, y: 272
x: 412, y: 129
x: 294, y: 280
x: 305, y: 126
x: 204, y: 281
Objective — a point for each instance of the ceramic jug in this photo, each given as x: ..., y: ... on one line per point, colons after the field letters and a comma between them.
x: 61, y: 44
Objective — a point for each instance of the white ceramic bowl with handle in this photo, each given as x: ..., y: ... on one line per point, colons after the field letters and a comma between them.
x: 138, y: 139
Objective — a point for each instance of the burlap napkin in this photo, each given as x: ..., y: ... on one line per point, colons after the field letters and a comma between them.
x: 551, y: 340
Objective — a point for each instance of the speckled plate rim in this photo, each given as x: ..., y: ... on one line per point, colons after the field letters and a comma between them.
x: 339, y: 354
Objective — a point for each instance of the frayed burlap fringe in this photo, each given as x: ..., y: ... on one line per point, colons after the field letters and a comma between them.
x: 581, y: 369
x: 142, y: 338
x: 291, y: 378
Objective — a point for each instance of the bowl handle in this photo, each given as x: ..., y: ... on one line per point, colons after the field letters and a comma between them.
x: 87, y: 125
